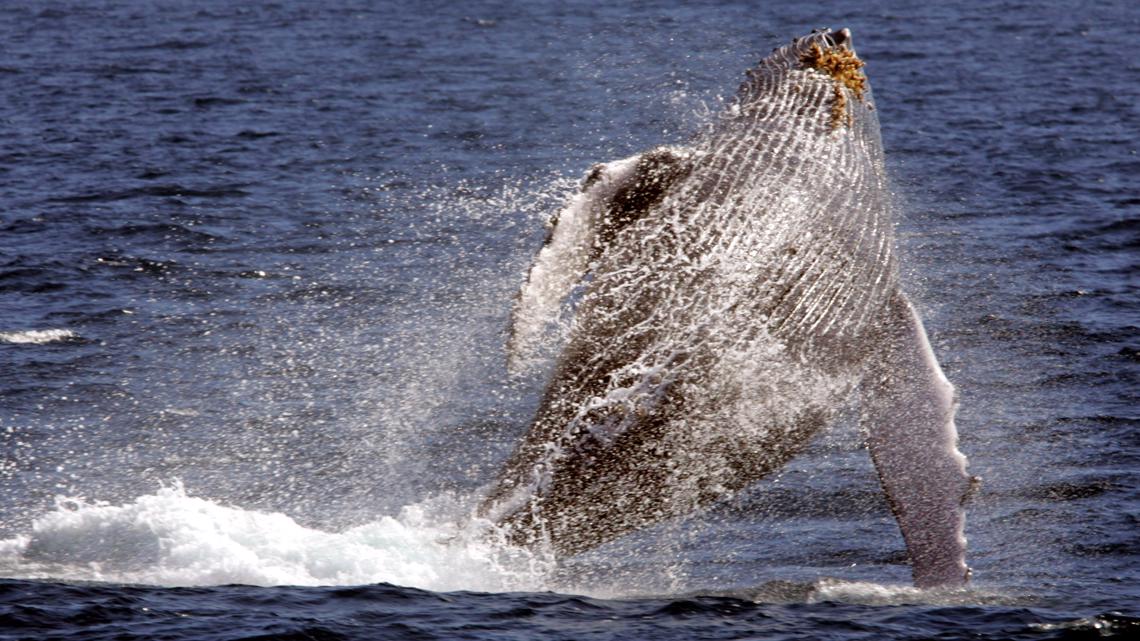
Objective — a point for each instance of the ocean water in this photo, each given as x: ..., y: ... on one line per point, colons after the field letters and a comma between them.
x: 256, y: 266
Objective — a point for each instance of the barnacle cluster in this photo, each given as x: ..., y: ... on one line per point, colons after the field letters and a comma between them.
x: 846, y: 68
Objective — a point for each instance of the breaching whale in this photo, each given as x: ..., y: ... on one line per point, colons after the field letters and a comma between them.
x: 733, y: 294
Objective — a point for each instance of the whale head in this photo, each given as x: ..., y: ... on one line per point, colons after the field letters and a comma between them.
x: 816, y: 81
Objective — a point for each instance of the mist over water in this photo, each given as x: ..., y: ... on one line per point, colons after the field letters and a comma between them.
x: 256, y: 267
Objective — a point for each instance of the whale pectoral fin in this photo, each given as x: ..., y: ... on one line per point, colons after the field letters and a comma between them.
x: 610, y: 197
x: 655, y: 172
x: 908, y: 418
x: 563, y: 259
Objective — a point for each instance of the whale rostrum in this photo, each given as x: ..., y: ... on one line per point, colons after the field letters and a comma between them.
x: 734, y: 294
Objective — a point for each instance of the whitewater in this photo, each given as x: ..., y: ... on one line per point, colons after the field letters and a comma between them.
x: 175, y: 539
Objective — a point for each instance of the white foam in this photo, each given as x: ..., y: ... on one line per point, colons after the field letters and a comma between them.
x: 37, y: 336
x: 170, y: 538
x: 867, y: 593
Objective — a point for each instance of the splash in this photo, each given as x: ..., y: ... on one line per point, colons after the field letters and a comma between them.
x: 171, y: 538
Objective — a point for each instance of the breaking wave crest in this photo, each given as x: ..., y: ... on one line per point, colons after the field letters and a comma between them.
x: 37, y: 336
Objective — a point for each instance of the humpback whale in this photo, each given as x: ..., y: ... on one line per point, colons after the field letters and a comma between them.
x: 731, y: 296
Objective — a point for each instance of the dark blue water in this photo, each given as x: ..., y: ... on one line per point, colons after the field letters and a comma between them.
x: 256, y: 265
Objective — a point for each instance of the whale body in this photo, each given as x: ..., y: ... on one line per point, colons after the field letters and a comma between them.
x: 734, y: 294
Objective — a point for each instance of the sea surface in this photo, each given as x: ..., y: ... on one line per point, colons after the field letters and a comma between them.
x: 256, y: 266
